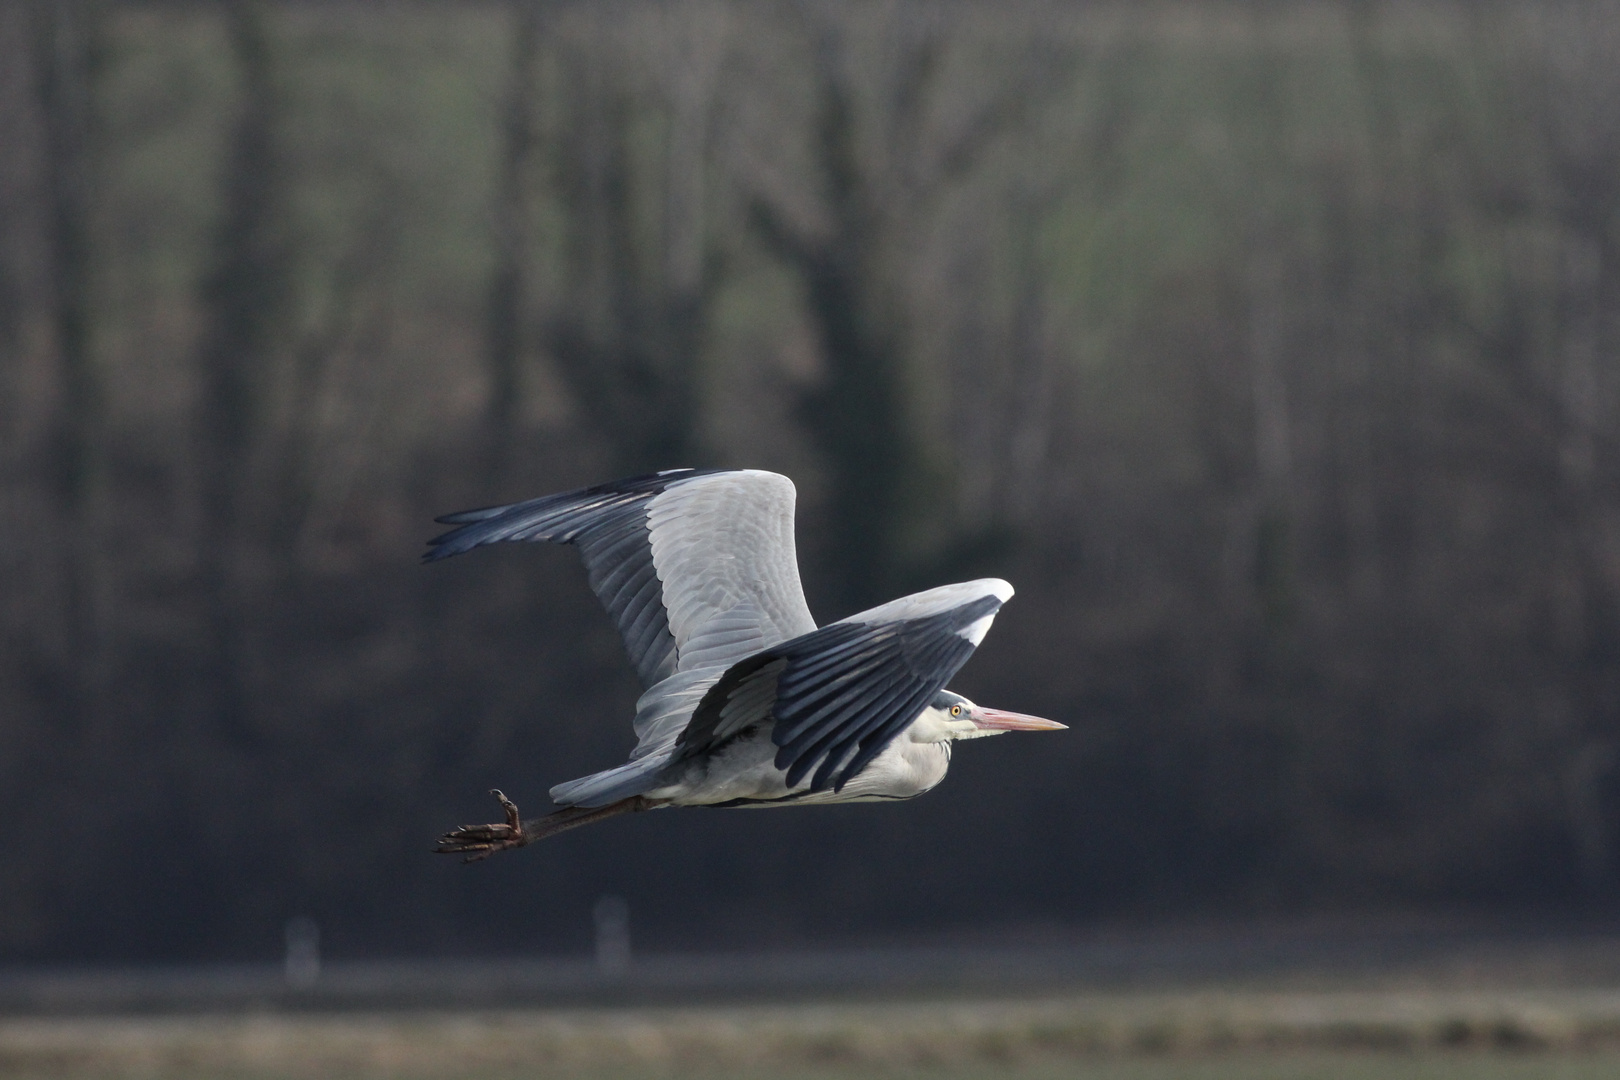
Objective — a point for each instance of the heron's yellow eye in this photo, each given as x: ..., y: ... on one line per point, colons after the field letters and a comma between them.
x: 956, y: 710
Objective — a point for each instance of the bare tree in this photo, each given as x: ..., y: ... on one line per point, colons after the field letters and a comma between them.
x: 627, y: 336
x: 882, y: 163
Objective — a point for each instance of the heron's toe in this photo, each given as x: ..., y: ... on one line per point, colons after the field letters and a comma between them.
x: 482, y: 841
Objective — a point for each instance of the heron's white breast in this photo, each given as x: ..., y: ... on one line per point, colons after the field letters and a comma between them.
x: 746, y: 769
x: 904, y: 770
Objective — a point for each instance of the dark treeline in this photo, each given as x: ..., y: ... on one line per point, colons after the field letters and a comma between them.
x: 1268, y: 348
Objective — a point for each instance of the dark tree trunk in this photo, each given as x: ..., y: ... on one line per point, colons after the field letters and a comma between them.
x: 245, y: 303
x: 66, y: 62
x: 506, y: 312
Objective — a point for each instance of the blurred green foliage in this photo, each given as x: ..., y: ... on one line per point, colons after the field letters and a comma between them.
x: 1268, y: 348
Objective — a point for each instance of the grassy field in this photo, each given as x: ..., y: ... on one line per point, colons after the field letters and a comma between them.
x: 1204, y: 1035
x: 1376, y: 1066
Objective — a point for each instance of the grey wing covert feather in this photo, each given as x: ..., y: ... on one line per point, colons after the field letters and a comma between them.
x: 696, y: 567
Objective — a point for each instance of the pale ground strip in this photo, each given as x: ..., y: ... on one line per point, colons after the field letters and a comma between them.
x: 988, y: 1037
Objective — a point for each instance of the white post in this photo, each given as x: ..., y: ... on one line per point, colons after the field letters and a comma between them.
x: 303, y: 966
x: 612, y: 935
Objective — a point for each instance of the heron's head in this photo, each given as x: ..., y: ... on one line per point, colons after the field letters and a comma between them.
x: 952, y: 716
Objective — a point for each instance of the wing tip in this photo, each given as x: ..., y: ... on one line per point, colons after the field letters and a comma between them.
x: 465, y: 536
x: 443, y: 547
x: 1000, y: 588
x: 435, y: 554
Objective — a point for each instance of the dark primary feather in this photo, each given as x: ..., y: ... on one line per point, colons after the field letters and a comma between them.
x: 838, y: 695
x: 608, y: 523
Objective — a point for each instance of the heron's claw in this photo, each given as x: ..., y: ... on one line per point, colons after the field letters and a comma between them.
x: 481, y: 841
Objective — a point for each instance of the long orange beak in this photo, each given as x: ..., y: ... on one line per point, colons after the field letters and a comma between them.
x: 996, y: 720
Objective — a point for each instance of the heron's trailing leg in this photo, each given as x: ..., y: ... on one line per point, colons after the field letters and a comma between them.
x: 482, y: 841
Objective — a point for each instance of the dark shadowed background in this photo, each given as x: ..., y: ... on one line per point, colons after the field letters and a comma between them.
x: 1269, y: 349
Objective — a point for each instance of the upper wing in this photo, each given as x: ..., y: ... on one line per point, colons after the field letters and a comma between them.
x: 697, y: 567
x: 838, y: 695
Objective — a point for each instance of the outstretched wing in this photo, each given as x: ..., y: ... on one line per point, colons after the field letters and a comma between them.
x: 696, y: 566
x: 840, y: 694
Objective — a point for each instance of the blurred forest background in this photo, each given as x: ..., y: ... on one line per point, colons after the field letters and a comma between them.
x: 1268, y: 348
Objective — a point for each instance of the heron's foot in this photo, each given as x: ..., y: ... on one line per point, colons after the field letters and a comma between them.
x: 481, y: 841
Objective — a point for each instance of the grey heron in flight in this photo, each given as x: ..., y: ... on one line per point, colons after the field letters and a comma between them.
x: 748, y: 702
